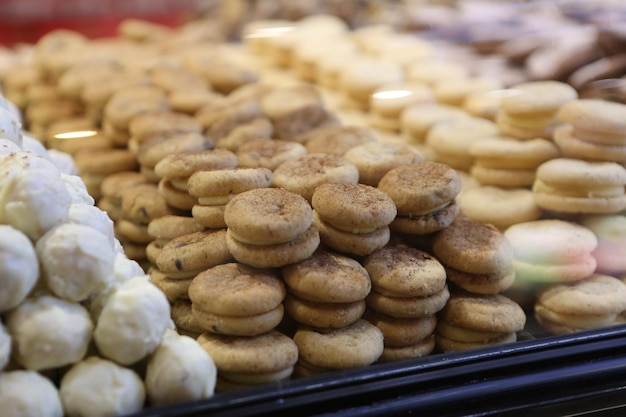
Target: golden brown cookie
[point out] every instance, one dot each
(268, 153)
(237, 299)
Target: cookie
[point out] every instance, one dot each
(183, 318)
(471, 320)
(389, 100)
(165, 228)
(163, 123)
(591, 303)
(531, 110)
(127, 103)
(507, 162)
(375, 159)
(94, 165)
(576, 186)
(572, 146)
(501, 207)
(327, 277)
(322, 315)
(552, 250)
(336, 140)
(267, 216)
(400, 271)
(213, 189)
(302, 175)
(185, 256)
(402, 332)
(174, 289)
(610, 230)
(142, 203)
(274, 255)
(597, 121)
(473, 247)
(451, 140)
(417, 119)
(263, 153)
(346, 209)
(237, 299)
(258, 128)
(430, 71)
(408, 307)
(361, 76)
(424, 194)
(250, 361)
(357, 345)
(175, 169)
(454, 92)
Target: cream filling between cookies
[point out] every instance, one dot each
(216, 200)
(180, 183)
(607, 191)
(425, 212)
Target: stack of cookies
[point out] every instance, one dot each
(478, 260)
(409, 288)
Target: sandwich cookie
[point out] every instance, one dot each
(357, 345)
(250, 361)
(151, 152)
(454, 92)
(336, 140)
(417, 119)
(610, 229)
(450, 141)
(237, 299)
(549, 251)
(263, 153)
(94, 165)
(183, 318)
(175, 289)
(270, 227)
(404, 338)
(406, 283)
(111, 187)
(167, 227)
(501, 207)
(389, 100)
(144, 127)
(510, 163)
(304, 174)
(470, 321)
(213, 189)
(425, 196)
(174, 170)
(327, 290)
(590, 303)
(361, 76)
(375, 159)
(574, 186)
(477, 256)
(353, 218)
(185, 256)
(531, 109)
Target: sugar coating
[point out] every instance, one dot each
(99, 387)
(77, 189)
(93, 217)
(132, 322)
(38, 348)
(34, 197)
(76, 260)
(19, 267)
(29, 394)
(179, 370)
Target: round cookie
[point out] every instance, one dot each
(237, 299)
(265, 358)
(375, 159)
(417, 119)
(552, 250)
(421, 348)
(361, 76)
(596, 121)
(400, 271)
(336, 140)
(408, 307)
(501, 207)
(472, 320)
(575, 186)
(402, 332)
(473, 247)
(267, 216)
(164, 228)
(453, 92)
(572, 146)
(268, 153)
(610, 229)
(173, 288)
(359, 344)
(323, 315)
(424, 194)
(182, 316)
(591, 303)
(276, 255)
(327, 277)
(187, 255)
(302, 175)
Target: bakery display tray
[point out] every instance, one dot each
(578, 374)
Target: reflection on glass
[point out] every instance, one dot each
(76, 134)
